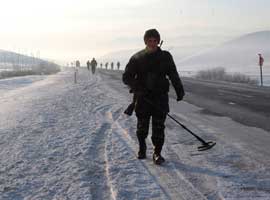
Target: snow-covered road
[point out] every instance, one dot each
(60, 140)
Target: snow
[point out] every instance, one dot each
(14, 83)
(60, 140)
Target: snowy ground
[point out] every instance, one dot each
(60, 140)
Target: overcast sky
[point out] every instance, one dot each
(65, 30)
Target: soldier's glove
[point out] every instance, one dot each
(130, 109)
(180, 95)
(179, 98)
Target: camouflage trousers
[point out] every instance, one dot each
(158, 135)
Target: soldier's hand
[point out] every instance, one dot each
(180, 95)
(179, 98)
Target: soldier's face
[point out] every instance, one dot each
(151, 44)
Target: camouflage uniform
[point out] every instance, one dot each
(93, 65)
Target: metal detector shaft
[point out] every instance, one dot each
(182, 125)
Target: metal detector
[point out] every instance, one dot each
(205, 145)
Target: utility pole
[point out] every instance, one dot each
(19, 60)
(261, 60)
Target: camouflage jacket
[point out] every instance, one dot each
(149, 73)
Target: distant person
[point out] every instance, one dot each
(101, 65)
(112, 65)
(93, 65)
(146, 74)
(118, 65)
(106, 65)
(88, 65)
(78, 63)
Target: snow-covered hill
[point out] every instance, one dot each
(15, 61)
(238, 55)
(60, 140)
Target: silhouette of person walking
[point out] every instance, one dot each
(93, 65)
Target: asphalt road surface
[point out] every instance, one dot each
(246, 104)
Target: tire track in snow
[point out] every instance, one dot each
(125, 171)
(95, 177)
(98, 107)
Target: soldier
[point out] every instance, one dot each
(93, 65)
(118, 65)
(112, 65)
(78, 63)
(88, 65)
(146, 74)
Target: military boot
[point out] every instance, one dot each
(158, 159)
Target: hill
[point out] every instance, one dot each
(11, 61)
(237, 55)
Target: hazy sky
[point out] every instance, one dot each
(80, 29)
